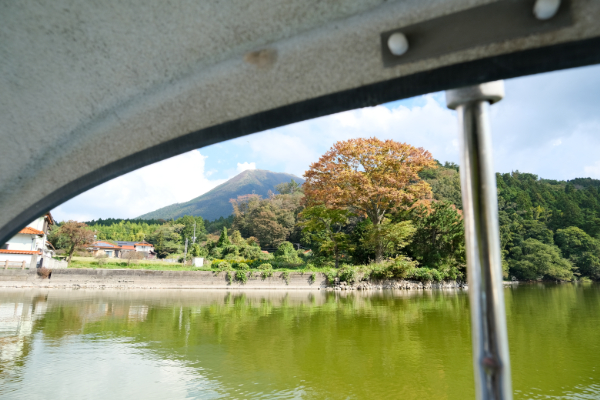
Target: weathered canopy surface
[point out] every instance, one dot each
(92, 90)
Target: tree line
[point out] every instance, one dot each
(391, 205)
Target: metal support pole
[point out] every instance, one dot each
(484, 266)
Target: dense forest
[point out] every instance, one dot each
(548, 229)
(543, 222)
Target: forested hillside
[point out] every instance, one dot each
(542, 221)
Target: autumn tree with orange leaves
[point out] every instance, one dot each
(370, 177)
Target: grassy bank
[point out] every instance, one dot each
(108, 263)
(392, 269)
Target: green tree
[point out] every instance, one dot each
(223, 239)
(286, 253)
(187, 231)
(271, 220)
(197, 251)
(237, 239)
(390, 237)
(326, 228)
(361, 252)
(288, 188)
(266, 227)
(166, 239)
(536, 260)
(581, 249)
(439, 240)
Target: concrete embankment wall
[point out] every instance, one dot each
(144, 279)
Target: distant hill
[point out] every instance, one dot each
(215, 203)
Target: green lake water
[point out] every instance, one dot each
(80, 344)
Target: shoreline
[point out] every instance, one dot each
(200, 280)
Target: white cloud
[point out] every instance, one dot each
(593, 171)
(241, 167)
(294, 147)
(175, 180)
(546, 125)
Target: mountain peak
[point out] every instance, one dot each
(215, 203)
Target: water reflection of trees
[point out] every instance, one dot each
(322, 337)
(348, 342)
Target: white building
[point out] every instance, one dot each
(29, 245)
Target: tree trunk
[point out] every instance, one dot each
(71, 251)
(376, 220)
(337, 256)
(378, 245)
(379, 250)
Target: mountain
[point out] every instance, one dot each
(215, 203)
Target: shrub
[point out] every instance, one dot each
(229, 277)
(286, 254)
(231, 249)
(241, 276)
(398, 268)
(265, 256)
(216, 252)
(348, 273)
(223, 266)
(422, 274)
(286, 277)
(437, 275)
(284, 249)
(250, 252)
(242, 266)
(330, 275)
(267, 270)
(231, 257)
(312, 278)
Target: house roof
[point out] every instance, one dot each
(50, 219)
(5, 251)
(31, 231)
(125, 243)
(128, 247)
(104, 245)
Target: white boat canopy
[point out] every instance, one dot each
(92, 90)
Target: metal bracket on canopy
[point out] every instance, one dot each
(490, 23)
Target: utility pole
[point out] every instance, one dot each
(185, 251)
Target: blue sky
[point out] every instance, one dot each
(548, 124)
